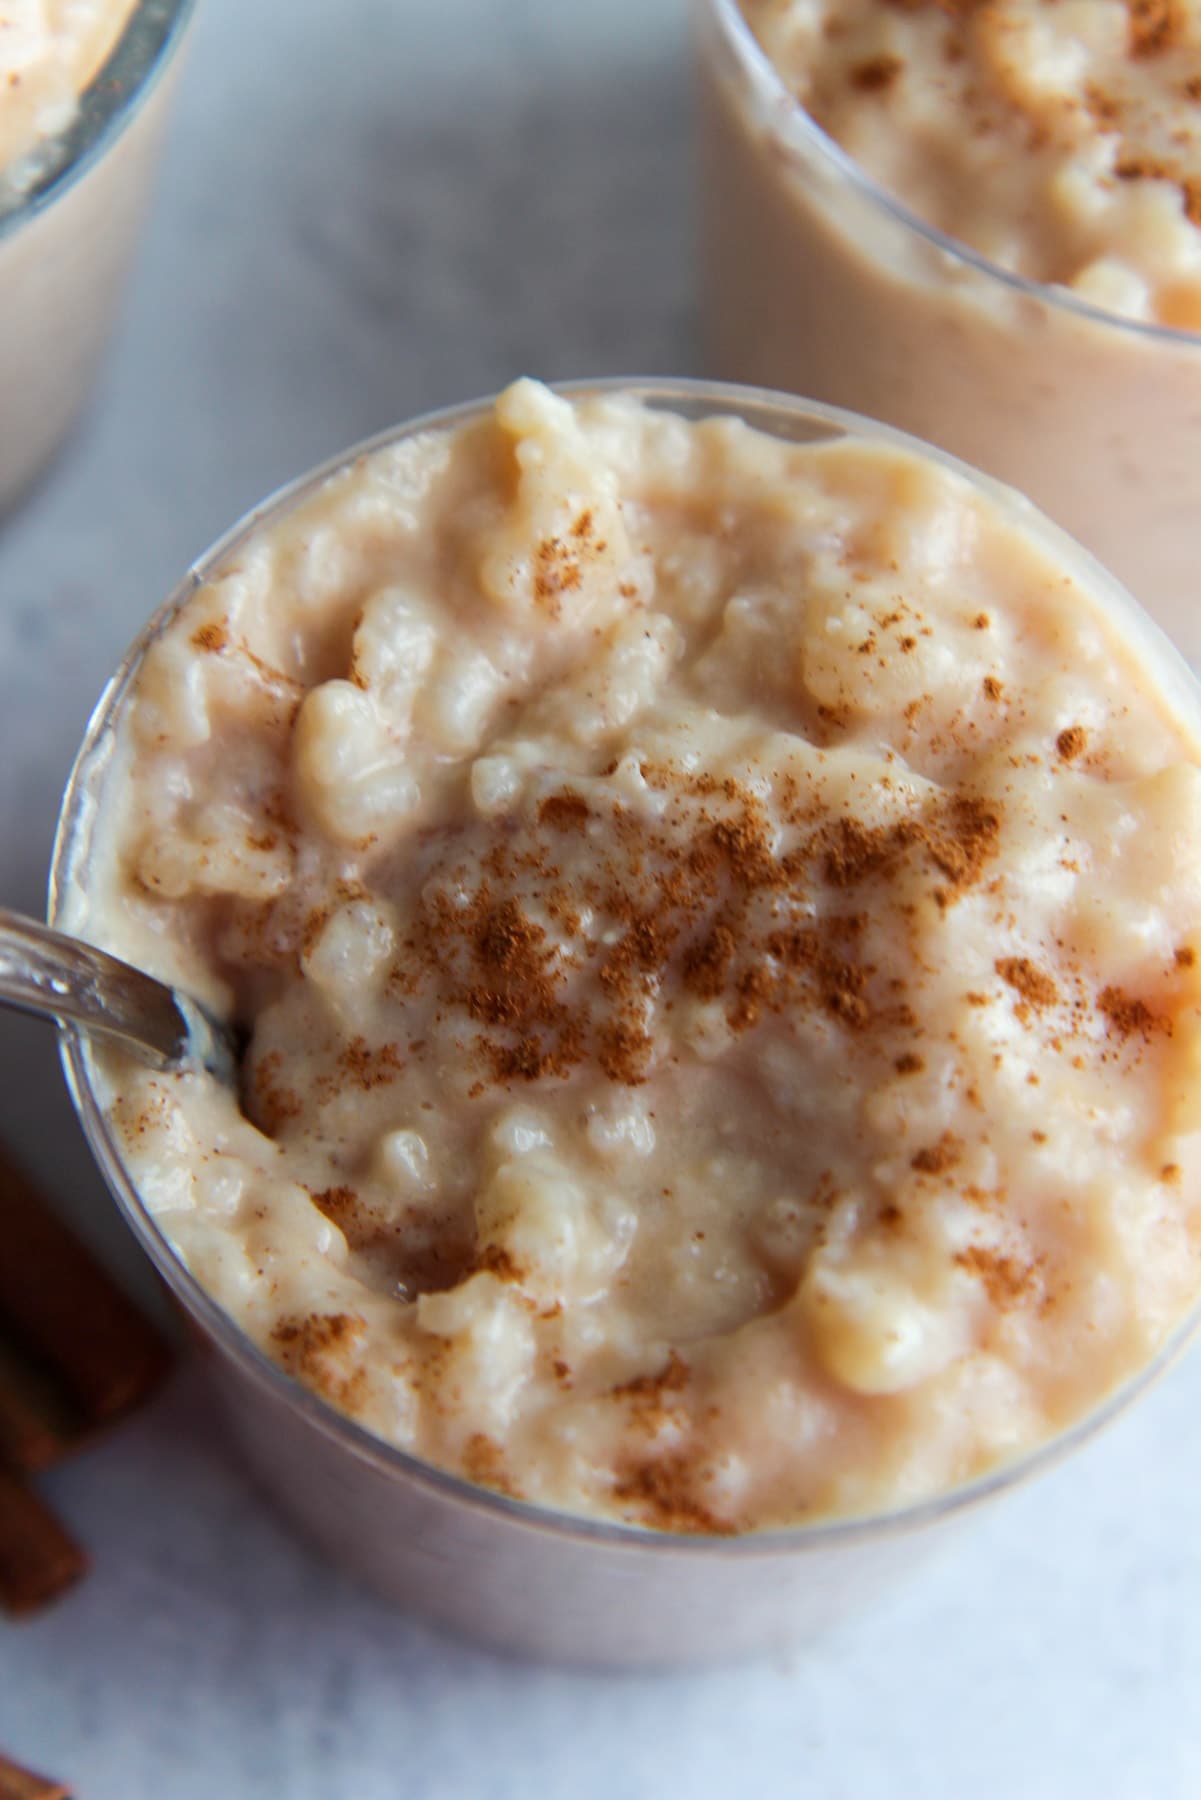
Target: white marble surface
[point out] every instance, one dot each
(368, 209)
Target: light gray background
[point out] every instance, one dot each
(369, 208)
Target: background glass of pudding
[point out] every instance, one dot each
(69, 215)
(510, 1573)
(815, 280)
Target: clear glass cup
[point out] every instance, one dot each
(512, 1574)
(66, 245)
(815, 280)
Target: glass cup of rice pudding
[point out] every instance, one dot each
(84, 93)
(712, 888)
(981, 224)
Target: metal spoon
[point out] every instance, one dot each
(62, 978)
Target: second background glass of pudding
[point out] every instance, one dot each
(814, 279)
(75, 176)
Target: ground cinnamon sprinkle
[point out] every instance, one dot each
(936, 1159)
(556, 572)
(876, 73)
(707, 964)
(1138, 167)
(839, 984)
(1032, 983)
(212, 637)
(965, 839)
(1004, 1278)
(558, 564)
(370, 1066)
(647, 1392)
(663, 1489)
(529, 1060)
(955, 8)
(855, 851)
(958, 838)
(624, 1052)
(498, 1261)
(679, 901)
(320, 1349)
(270, 1101)
(1070, 743)
(1155, 168)
(339, 1204)
(319, 1332)
(567, 811)
(1130, 1017)
(316, 920)
(1154, 26)
(484, 1461)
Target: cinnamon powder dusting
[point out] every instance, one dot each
(1131, 1017)
(498, 1261)
(876, 74)
(1032, 983)
(271, 1102)
(340, 1205)
(484, 1462)
(1154, 26)
(212, 637)
(1157, 168)
(695, 900)
(936, 1159)
(664, 1492)
(567, 811)
(368, 1066)
(1005, 1279)
(653, 1398)
(321, 1350)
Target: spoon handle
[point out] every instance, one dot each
(58, 977)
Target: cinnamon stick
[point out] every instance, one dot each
(22, 1784)
(60, 1305)
(37, 1557)
(37, 1423)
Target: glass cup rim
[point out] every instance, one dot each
(109, 102)
(798, 129)
(752, 405)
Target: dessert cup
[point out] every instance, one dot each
(815, 280)
(67, 243)
(512, 1574)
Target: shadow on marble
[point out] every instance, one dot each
(430, 252)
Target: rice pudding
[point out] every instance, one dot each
(49, 51)
(84, 91)
(1009, 264)
(717, 920)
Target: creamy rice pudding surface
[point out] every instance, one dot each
(49, 51)
(1058, 139)
(718, 920)
(1061, 138)
(70, 203)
